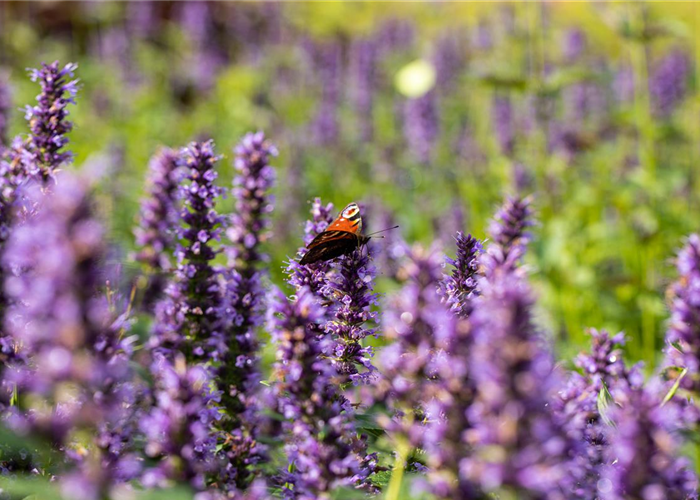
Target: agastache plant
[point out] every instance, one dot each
(412, 320)
(668, 83)
(156, 232)
(683, 334)
(421, 125)
(78, 377)
(644, 452)
(188, 319)
(603, 377)
(459, 288)
(48, 119)
(322, 445)
(350, 291)
(509, 233)
(248, 229)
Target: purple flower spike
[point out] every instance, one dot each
(363, 67)
(70, 336)
(421, 125)
(503, 123)
(416, 321)
(48, 120)
(322, 447)
(350, 290)
(178, 427)
(603, 369)
(188, 317)
(509, 234)
(644, 453)
(519, 444)
(683, 335)
(669, 82)
(157, 228)
(459, 289)
(244, 297)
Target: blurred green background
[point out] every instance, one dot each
(564, 101)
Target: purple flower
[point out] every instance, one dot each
(416, 321)
(70, 336)
(188, 319)
(644, 452)
(421, 125)
(460, 288)
(155, 234)
(363, 68)
(668, 83)
(350, 292)
(326, 62)
(238, 375)
(574, 44)
(449, 58)
(322, 445)
(603, 372)
(509, 234)
(503, 123)
(48, 120)
(519, 444)
(178, 429)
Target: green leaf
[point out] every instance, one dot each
(675, 387)
(30, 487)
(176, 493)
(604, 401)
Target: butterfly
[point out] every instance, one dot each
(340, 238)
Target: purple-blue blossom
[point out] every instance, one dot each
(421, 125)
(459, 288)
(48, 119)
(322, 445)
(668, 83)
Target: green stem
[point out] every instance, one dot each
(393, 492)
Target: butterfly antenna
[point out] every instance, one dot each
(381, 231)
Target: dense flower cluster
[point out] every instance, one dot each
(322, 447)
(155, 234)
(72, 341)
(459, 289)
(669, 82)
(420, 125)
(354, 302)
(189, 317)
(238, 374)
(48, 120)
(466, 392)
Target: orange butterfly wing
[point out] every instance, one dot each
(340, 238)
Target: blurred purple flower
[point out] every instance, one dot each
(363, 70)
(503, 123)
(575, 43)
(414, 321)
(449, 59)
(668, 83)
(421, 125)
(327, 67)
(519, 444)
(644, 452)
(48, 120)
(509, 234)
(157, 229)
(70, 336)
(178, 428)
